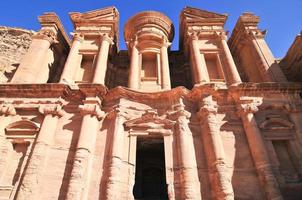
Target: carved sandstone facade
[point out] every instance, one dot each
(217, 119)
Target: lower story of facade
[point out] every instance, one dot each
(212, 142)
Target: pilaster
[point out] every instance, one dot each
(114, 176)
(258, 150)
(82, 166)
(214, 150)
(33, 175)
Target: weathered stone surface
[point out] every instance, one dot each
(189, 126)
(14, 43)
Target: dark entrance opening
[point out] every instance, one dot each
(150, 174)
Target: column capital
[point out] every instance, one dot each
(55, 110)
(206, 110)
(77, 37)
(222, 35)
(46, 34)
(178, 115)
(107, 38)
(165, 42)
(92, 109)
(7, 109)
(244, 109)
(254, 33)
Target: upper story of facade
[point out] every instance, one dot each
(149, 65)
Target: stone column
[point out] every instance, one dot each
(259, 152)
(115, 165)
(134, 72)
(81, 171)
(164, 62)
(214, 150)
(6, 111)
(73, 59)
(34, 60)
(33, 176)
(190, 186)
(232, 75)
(102, 58)
(198, 62)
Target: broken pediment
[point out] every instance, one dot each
(276, 122)
(101, 15)
(150, 119)
(194, 14)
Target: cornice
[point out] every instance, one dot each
(81, 92)
(51, 18)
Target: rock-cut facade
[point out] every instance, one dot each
(80, 119)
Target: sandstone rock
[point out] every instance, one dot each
(14, 43)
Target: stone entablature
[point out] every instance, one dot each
(66, 132)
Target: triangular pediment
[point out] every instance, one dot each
(109, 13)
(197, 14)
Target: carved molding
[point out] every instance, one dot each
(54, 110)
(91, 109)
(7, 109)
(21, 131)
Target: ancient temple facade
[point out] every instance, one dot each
(220, 118)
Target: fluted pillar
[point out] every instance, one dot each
(259, 152)
(102, 58)
(33, 176)
(115, 173)
(165, 70)
(134, 72)
(214, 150)
(190, 185)
(200, 71)
(6, 111)
(73, 59)
(232, 72)
(33, 61)
(82, 165)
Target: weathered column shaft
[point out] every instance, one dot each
(34, 60)
(134, 76)
(79, 179)
(165, 70)
(72, 60)
(5, 117)
(214, 150)
(33, 177)
(260, 156)
(114, 174)
(232, 75)
(189, 175)
(102, 58)
(198, 63)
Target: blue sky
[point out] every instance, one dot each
(282, 18)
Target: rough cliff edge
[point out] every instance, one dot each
(14, 43)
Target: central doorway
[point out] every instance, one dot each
(150, 173)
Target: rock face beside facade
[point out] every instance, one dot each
(14, 43)
(216, 119)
